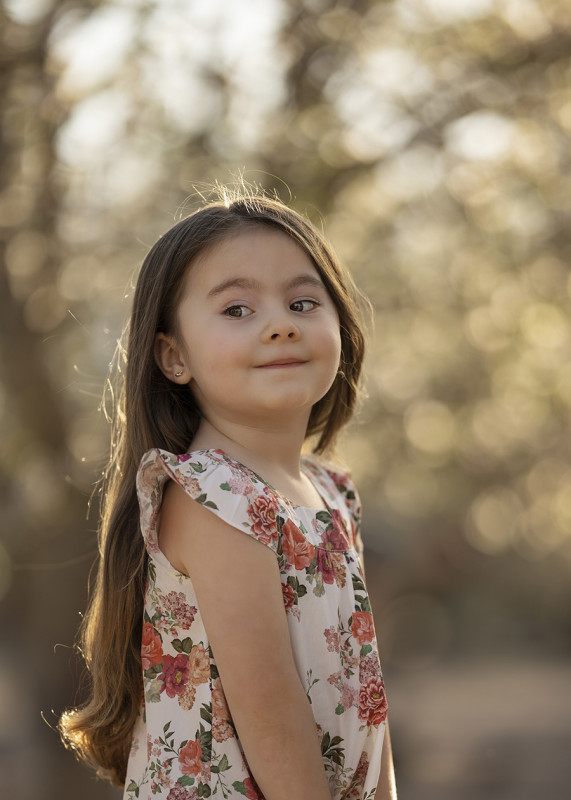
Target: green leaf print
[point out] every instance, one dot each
(153, 691)
(239, 786)
(319, 588)
(311, 681)
(339, 710)
(299, 589)
(204, 790)
(364, 604)
(331, 751)
(366, 649)
(210, 504)
(185, 780)
(324, 516)
(196, 466)
(225, 487)
(358, 585)
(205, 739)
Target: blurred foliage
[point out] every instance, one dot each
(431, 140)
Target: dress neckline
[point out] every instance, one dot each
(317, 484)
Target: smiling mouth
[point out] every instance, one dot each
(283, 363)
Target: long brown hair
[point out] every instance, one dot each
(152, 411)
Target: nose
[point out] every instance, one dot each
(281, 327)
(293, 333)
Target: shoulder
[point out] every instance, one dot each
(202, 474)
(336, 474)
(214, 481)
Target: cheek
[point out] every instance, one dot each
(216, 353)
(331, 342)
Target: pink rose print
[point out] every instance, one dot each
(362, 627)
(262, 513)
(191, 486)
(179, 792)
(241, 484)
(373, 702)
(369, 667)
(189, 758)
(219, 705)
(180, 609)
(332, 639)
(151, 647)
(348, 696)
(298, 551)
(174, 675)
(198, 665)
(358, 779)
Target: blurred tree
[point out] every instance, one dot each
(432, 139)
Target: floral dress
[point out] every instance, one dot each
(184, 743)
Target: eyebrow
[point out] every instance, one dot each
(248, 283)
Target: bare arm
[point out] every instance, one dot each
(238, 586)
(386, 787)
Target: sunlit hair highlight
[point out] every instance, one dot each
(152, 411)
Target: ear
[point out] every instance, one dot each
(170, 360)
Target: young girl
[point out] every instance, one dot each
(229, 638)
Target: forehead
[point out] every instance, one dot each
(256, 252)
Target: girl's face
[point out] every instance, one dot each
(259, 335)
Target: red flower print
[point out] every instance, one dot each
(151, 646)
(335, 537)
(362, 627)
(339, 480)
(252, 790)
(174, 675)
(288, 595)
(326, 565)
(298, 551)
(331, 565)
(262, 512)
(373, 702)
(339, 526)
(189, 758)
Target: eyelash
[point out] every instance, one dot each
(228, 309)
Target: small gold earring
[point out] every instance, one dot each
(178, 374)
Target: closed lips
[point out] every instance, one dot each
(286, 362)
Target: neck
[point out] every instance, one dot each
(266, 451)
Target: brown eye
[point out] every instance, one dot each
(304, 305)
(237, 312)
